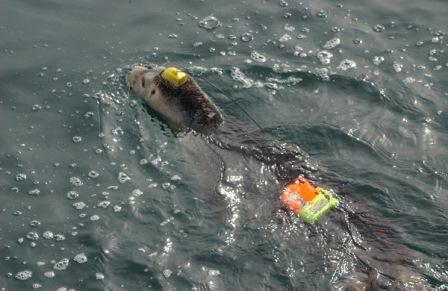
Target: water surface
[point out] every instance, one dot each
(96, 193)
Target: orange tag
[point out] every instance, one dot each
(298, 193)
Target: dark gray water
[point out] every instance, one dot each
(96, 193)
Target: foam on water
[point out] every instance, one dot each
(80, 258)
(324, 57)
(347, 64)
(24, 275)
(257, 57)
(239, 76)
(61, 265)
(332, 43)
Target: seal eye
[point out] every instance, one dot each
(143, 82)
(153, 92)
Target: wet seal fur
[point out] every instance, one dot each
(186, 106)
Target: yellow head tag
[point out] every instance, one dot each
(175, 76)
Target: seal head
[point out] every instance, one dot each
(176, 96)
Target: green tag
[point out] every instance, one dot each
(316, 208)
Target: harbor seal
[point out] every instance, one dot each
(185, 106)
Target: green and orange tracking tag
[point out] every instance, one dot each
(175, 76)
(309, 202)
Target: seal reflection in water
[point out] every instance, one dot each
(184, 105)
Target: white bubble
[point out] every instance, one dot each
(167, 273)
(324, 57)
(20, 177)
(321, 14)
(72, 195)
(347, 64)
(49, 274)
(378, 60)
(435, 39)
(409, 80)
(117, 208)
(80, 258)
(61, 265)
(198, 44)
(117, 131)
(289, 27)
(323, 73)
(59, 237)
(99, 276)
(32, 235)
(397, 67)
(34, 192)
(36, 107)
(239, 76)
(168, 186)
(24, 275)
(103, 204)
(79, 205)
(75, 181)
(257, 57)
(88, 114)
(94, 217)
(94, 174)
(246, 37)
(332, 43)
(213, 272)
(76, 139)
(210, 22)
(35, 223)
(284, 38)
(137, 192)
(357, 41)
(379, 28)
(48, 235)
(123, 177)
